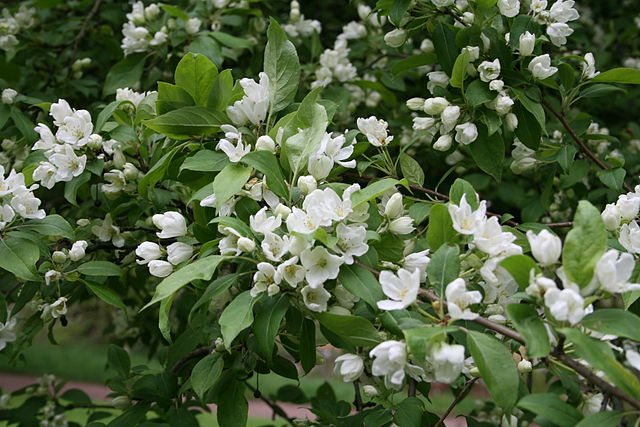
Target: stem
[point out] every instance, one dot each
(201, 351)
(83, 30)
(459, 397)
(412, 388)
(585, 149)
(358, 398)
(277, 410)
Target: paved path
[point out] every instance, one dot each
(98, 392)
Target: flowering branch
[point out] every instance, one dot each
(463, 393)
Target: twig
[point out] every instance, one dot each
(8, 293)
(358, 398)
(201, 351)
(84, 28)
(456, 17)
(412, 388)
(273, 405)
(459, 397)
(560, 224)
(585, 149)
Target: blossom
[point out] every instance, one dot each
(489, 70)
(148, 251)
(491, 240)
(301, 222)
(449, 117)
(589, 66)
(263, 224)
(47, 139)
(291, 272)
(558, 33)
(179, 252)
(565, 305)
(254, 105)
(52, 276)
(395, 38)
(55, 310)
(160, 268)
(307, 183)
(526, 43)
(541, 68)
(545, 246)
(349, 367)
(459, 300)
(447, 361)
(443, 143)
(320, 265)
(466, 133)
(263, 278)
(391, 362)
(26, 204)
(375, 130)
(77, 251)
(563, 11)
(171, 224)
(266, 143)
(234, 243)
(8, 96)
(8, 331)
(539, 285)
(193, 25)
(236, 152)
(611, 217)
(75, 129)
(351, 241)
(509, 8)
(630, 237)
(45, 173)
(466, 221)
(402, 289)
(67, 164)
(315, 298)
(417, 261)
(274, 246)
(614, 270)
(435, 106)
(402, 225)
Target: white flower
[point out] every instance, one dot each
(628, 206)
(45, 173)
(148, 251)
(7, 215)
(449, 117)
(503, 104)
(375, 130)
(611, 217)
(633, 358)
(402, 289)
(77, 251)
(630, 237)
(435, 106)
(614, 270)
(442, 3)
(55, 310)
(459, 300)
(437, 79)
(563, 11)
(52, 276)
(67, 164)
(369, 391)
(236, 152)
(266, 143)
(129, 95)
(47, 139)
(171, 224)
(417, 261)
(320, 265)
(466, 133)
(254, 105)
(541, 68)
(349, 366)
(116, 183)
(489, 70)
(8, 332)
(334, 148)
(447, 361)
(263, 224)
(539, 285)
(151, 12)
(59, 111)
(558, 33)
(274, 246)
(307, 183)
(589, 67)
(565, 305)
(193, 25)
(490, 239)
(395, 38)
(415, 104)
(511, 121)
(443, 143)
(526, 43)
(466, 221)
(427, 46)
(496, 85)
(391, 362)
(107, 231)
(315, 298)
(75, 129)
(538, 6)
(8, 95)
(179, 252)
(159, 268)
(263, 278)
(351, 241)
(299, 221)
(291, 272)
(26, 204)
(546, 247)
(402, 225)
(394, 206)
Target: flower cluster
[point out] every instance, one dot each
(140, 32)
(11, 25)
(298, 25)
(17, 198)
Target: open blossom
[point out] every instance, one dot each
(264, 278)
(351, 241)
(489, 70)
(466, 221)
(235, 152)
(291, 272)
(55, 310)
(490, 239)
(263, 224)
(77, 251)
(8, 331)
(417, 261)
(565, 305)
(459, 300)
(375, 130)
(254, 105)
(320, 265)
(171, 224)
(447, 361)
(526, 43)
(545, 246)
(108, 232)
(589, 66)
(275, 246)
(539, 285)
(509, 8)
(315, 298)
(466, 133)
(401, 289)
(541, 68)
(630, 237)
(614, 270)
(349, 367)
(558, 33)
(391, 362)
(234, 243)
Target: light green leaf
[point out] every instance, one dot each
(51, 225)
(361, 283)
(267, 163)
(519, 267)
(269, 315)
(195, 74)
(233, 42)
(19, 256)
(229, 182)
(551, 407)
(282, 66)
(156, 173)
(411, 169)
(612, 178)
(355, 330)
(299, 147)
(419, 340)
(533, 107)
(409, 413)
(460, 187)
(99, 268)
(619, 75)
(584, 245)
(497, 368)
(527, 321)
(615, 322)
(187, 122)
(205, 161)
(440, 229)
(374, 190)
(444, 267)
(459, 72)
(206, 373)
(105, 115)
(201, 269)
(236, 317)
(602, 419)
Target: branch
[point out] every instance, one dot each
(560, 224)
(459, 397)
(358, 398)
(85, 27)
(585, 149)
(201, 351)
(273, 405)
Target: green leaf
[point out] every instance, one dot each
(51, 225)
(600, 90)
(601, 357)
(460, 187)
(105, 115)
(222, 93)
(172, 97)
(584, 245)
(411, 169)
(440, 229)
(299, 147)
(19, 256)
(118, 359)
(106, 294)
(282, 66)
(24, 125)
(615, 322)
(229, 182)
(444, 40)
(565, 157)
(267, 163)
(488, 152)
(551, 407)
(419, 340)
(231, 41)
(497, 368)
(528, 130)
(486, 4)
(355, 330)
(520, 24)
(519, 267)
(374, 190)
(413, 62)
(174, 11)
(459, 72)
(214, 289)
(233, 408)
(99, 268)
(527, 321)
(534, 107)
(409, 413)
(477, 93)
(71, 187)
(398, 10)
(235, 223)
(195, 74)
(205, 161)
(236, 317)
(361, 283)
(619, 75)
(308, 345)
(156, 173)
(125, 73)
(269, 315)
(444, 267)
(602, 419)
(187, 122)
(206, 373)
(201, 269)
(612, 178)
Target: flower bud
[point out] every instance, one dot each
(423, 123)
(341, 311)
(545, 247)
(151, 12)
(83, 222)
(307, 184)
(273, 289)
(527, 43)
(435, 106)
(130, 171)
(219, 344)
(474, 372)
(611, 217)
(466, 133)
(450, 115)
(193, 25)
(395, 38)
(121, 402)
(511, 121)
(524, 366)
(402, 225)
(119, 159)
(522, 165)
(77, 251)
(394, 207)
(369, 391)
(160, 268)
(58, 257)
(282, 210)
(265, 142)
(148, 251)
(415, 104)
(95, 141)
(179, 252)
(443, 143)
(246, 245)
(8, 96)
(496, 85)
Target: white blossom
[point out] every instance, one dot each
(171, 224)
(160, 268)
(315, 298)
(465, 220)
(375, 130)
(459, 300)
(391, 362)
(254, 105)
(614, 270)
(489, 70)
(179, 252)
(565, 305)
(541, 68)
(546, 247)
(447, 361)
(320, 265)
(526, 43)
(401, 289)
(349, 367)
(148, 251)
(77, 251)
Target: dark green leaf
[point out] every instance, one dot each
(187, 122)
(267, 163)
(527, 321)
(488, 152)
(444, 266)
(99, 268)
(355, 330)
(269, 315)
(444, 40)
(236, 317)
(206, 373)
(282, 66)
(551, 407)
(615, 322)
(361, 283)
(619, 75)
(411, 170)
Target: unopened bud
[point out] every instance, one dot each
(121, 402)
(58, 257)
(246, 245)
(369, 391)
(525, 366)
(415, 104)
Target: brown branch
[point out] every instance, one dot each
(273, 405)
(358, 398)
(463, 393)
(583, 146)
(412, 388)
(560, 224)
(200, 351)
(85, 27)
